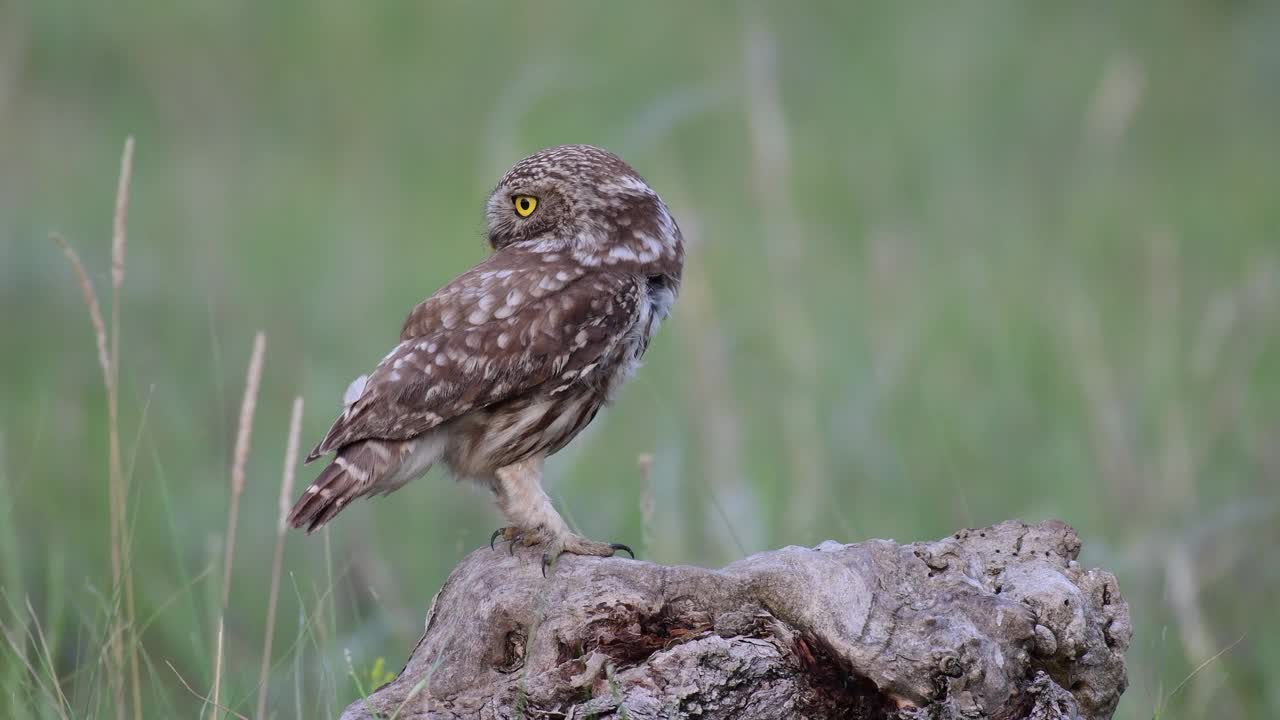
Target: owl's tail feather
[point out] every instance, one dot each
(352, 473)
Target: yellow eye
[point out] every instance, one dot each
(525, 204)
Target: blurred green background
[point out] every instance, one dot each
(951, 263)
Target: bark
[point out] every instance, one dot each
(1000, 622)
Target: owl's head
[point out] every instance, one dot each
(585, 201)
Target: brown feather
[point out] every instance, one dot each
(563, 324)
(343, 480)
(312, 505)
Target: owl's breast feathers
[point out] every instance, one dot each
(517, 326)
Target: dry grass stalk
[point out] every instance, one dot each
(1115, 102)
(62, 705)
(118, 224)
(244, 431)
(217, 669)
(90, 301)
(121, 215)
(205, 698)
(121, 579)
(115, 669)
(286, 492)
(648, 502)
(19, 651)
(328, 564)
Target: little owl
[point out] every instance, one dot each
(512, 359)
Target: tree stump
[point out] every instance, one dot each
(1000, 622)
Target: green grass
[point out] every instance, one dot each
(1023, 260)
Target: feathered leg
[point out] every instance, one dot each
(534, 520)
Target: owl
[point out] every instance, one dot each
(507, 363)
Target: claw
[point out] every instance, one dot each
(510, 534)
(580, 546)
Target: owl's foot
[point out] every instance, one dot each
(578, 545)
(557, 545)
(518, 536)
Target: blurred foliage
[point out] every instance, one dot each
(952, 263)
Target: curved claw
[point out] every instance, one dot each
(547, 562)
(620, 546)
(494, 537)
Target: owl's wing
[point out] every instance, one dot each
(498, 331)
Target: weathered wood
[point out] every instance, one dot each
(1000, 622)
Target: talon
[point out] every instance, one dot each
(511, 534)
(547, 561)
(620, 546)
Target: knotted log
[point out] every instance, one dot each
(1000, 622)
